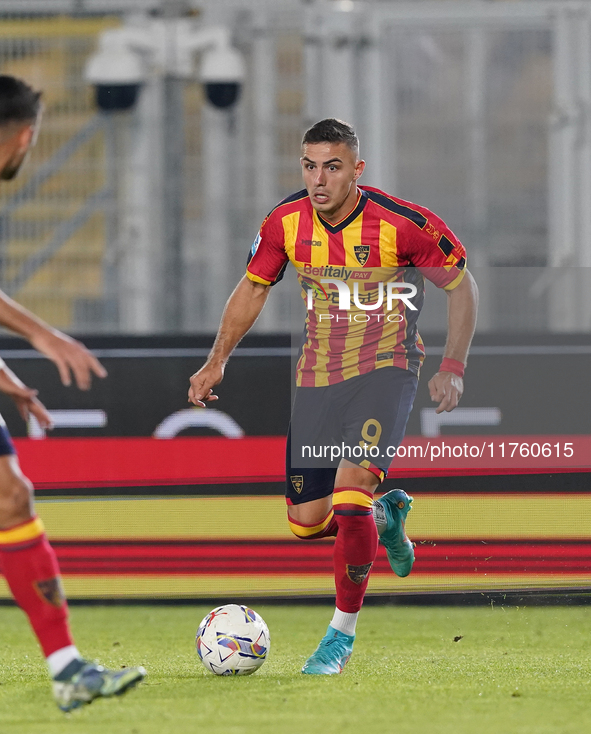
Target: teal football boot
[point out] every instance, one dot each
(90, 681)
(331, 655)
(399, 548)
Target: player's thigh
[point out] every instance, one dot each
(312, 512)
(378, 407)
(309, 477)
(350, 475)
(313, 428)
(308, 493)
(308, 490)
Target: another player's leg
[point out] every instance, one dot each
(83, 681)
(31, 571)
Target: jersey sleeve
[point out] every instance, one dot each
(267, 258)
(438, 253)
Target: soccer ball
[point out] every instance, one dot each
(232, 640)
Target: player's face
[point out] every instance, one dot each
(13, 165)
(16, 149)
(330, 171)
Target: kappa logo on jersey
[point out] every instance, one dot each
(51, 590)
(452, 254)
(361, 253)
(297, 483)
(358, 574)
(312, 289)
(430, 229)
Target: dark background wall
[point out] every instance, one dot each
(539, 382)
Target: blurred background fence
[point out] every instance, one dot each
(132, 225)
(139, 220)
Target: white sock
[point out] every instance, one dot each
(379, 515)
(59, 659)
(344, 621)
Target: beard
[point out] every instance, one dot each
(12, 167)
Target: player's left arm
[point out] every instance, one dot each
(70, 356)
(446, 387)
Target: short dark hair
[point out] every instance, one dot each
(332, 130)
(18, 101)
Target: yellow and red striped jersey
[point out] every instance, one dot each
(382, 234)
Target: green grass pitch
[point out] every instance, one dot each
(514, 670)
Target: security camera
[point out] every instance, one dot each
(222, 73)
(117, 74)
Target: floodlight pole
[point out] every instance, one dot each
(140, 271)
(477, 189)
(340, 37)
(215, 275)
(567, 179)
(346, 55)
(378, 134)
(173, 190)
(331, 39)
(583, 157)
(264, 91)
(152, 273)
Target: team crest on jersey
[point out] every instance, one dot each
(51, 590)
(358, 574)
(297, 483)
(361, 253)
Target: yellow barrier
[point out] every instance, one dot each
(453, 517)
(57, 27)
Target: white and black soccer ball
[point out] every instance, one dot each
(233, 640)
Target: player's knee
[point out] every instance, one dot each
(317, 528)
(349, 475)
(16, 500)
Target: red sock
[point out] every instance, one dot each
(30, 569)
(324, 529)
(356, 546)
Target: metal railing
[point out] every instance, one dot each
(479, 111)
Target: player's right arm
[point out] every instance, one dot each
(241, 311)
(266, 263)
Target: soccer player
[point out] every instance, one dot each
(27, 560)
(357, 372)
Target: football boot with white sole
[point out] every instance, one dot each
(331, 655)
(399, 548)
